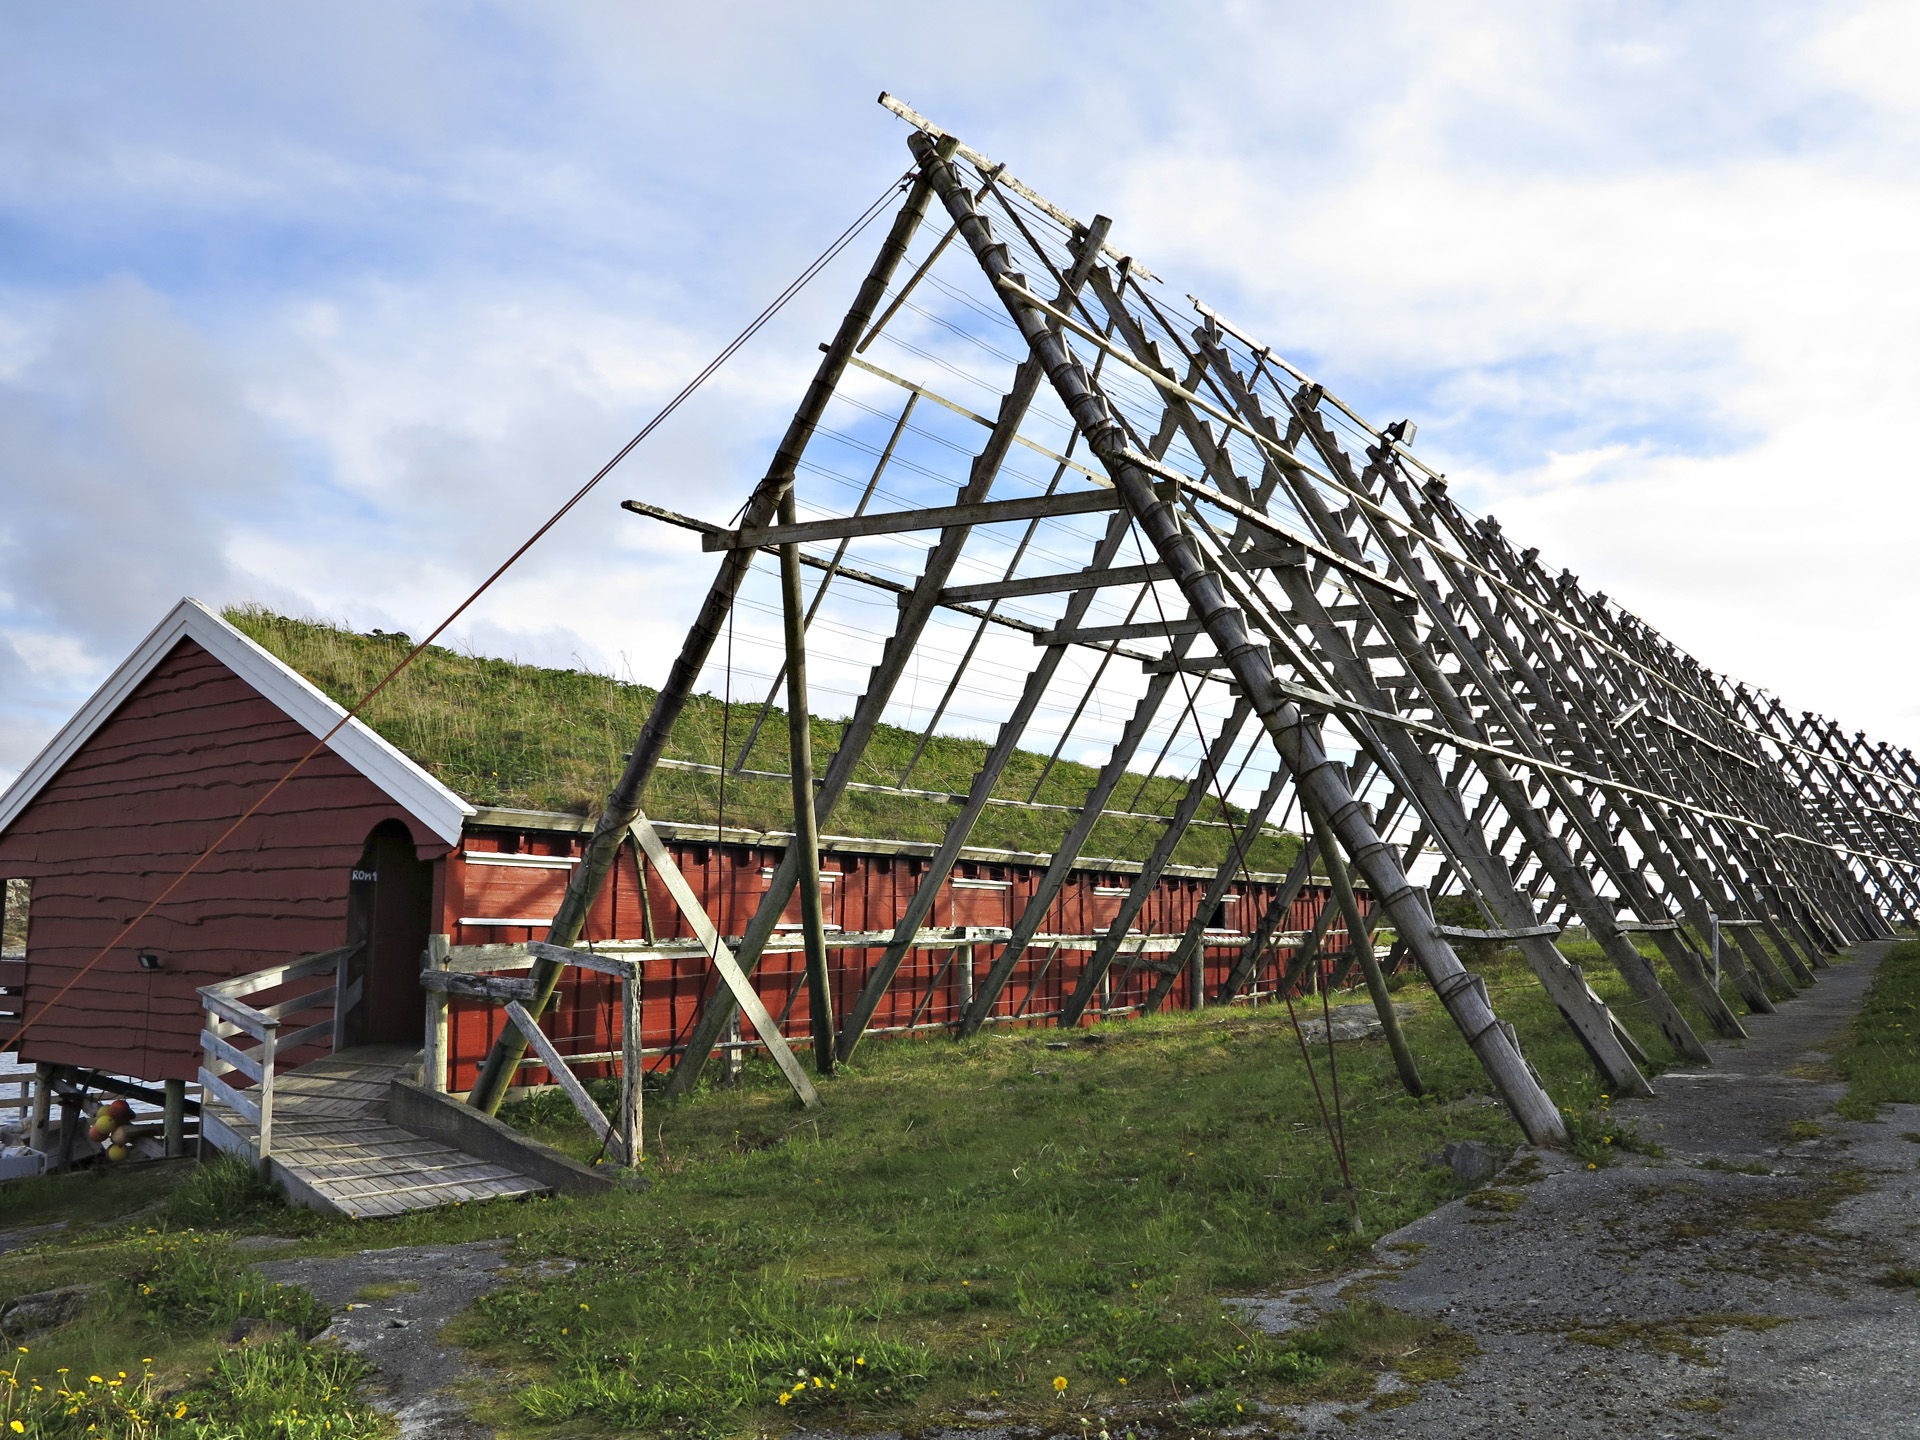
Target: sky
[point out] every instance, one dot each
(326, 307)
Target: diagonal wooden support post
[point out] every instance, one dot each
(1134, 477)
(623, 803)
(731, 975)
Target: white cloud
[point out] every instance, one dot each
(327, 306)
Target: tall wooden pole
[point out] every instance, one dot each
(1253, 671)
(623, 804)
(806, 826)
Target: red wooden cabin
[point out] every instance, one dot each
(362, 843)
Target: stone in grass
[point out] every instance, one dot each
(254, 1330)
(34, 1315)
(1473, 1162)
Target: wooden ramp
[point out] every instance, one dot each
(335, 1151)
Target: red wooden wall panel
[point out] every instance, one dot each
(183, 757)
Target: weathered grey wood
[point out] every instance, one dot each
(1455, 932)
(235, 1012)
(1106, 577)
(624, 802)
(174, 1118)
(435, 1055)
(1211, 598)
(895, 522)
(1106, 634)
(563, 1075)
(477, 987)
(273, 975)
(633, 1128)
(619, 967)
(826, 581)
(216, 1091)
(231, 1056)
(916, 612)
(722, 958)
(806, 826)
(1360, 944)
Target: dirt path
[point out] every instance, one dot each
(1727, 1288)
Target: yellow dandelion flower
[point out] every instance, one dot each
(96, 1379)
(860, 1360)
(23, 1350)
(16, 1427)
(784, 1397)
(584, 1305)
(1123, 1379)
(180, 1411)
(1059, 1383)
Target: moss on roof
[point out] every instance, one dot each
(501, 733)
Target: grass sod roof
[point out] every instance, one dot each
(498, 732)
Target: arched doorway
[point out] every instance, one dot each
(390, 909)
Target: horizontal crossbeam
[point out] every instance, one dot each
(1528, 932)
(1105, 578)
(892, 522)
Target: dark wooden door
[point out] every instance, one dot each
(390, 906)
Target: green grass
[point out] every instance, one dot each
(962, 1225)
(1880, 1059)
(144, 1357)
(502, 733)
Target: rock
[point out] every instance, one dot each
(1473, 1162)
(1350, 1022)
(253, 1330)
(32, 1315)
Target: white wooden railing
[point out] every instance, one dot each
(229, 1018)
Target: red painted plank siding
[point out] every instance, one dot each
(177, 763)
(863, 892)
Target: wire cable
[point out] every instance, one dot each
(705, 373)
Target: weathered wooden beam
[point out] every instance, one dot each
(1107, 634)
(624, 801)
(476, 987)
(896, 522)
(1210, 597)
(732, 976)
(564, 1077)
(806, 824)
(1455, 932)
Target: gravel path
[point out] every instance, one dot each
(1727, 1288)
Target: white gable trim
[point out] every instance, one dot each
(410, 787)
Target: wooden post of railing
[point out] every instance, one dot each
(631, 1116)
(269, 1040)
(42, 1106)
(434, 1059)
(174, 1117)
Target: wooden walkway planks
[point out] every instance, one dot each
(334, 1148)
